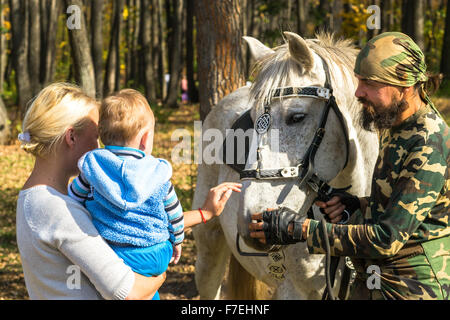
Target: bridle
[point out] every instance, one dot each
(304, 171)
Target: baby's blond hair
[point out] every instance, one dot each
(55, 109)
(122, 116)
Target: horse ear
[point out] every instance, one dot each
(257, 48)
(299, 50)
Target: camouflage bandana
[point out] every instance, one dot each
(392, 58)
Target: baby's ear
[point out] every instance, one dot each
(143, 142)
(146, 143)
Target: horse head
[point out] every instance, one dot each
(294, 117)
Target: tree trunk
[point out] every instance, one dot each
(129, 27)
(190, 56)
(34, 49)
(218, 50)
(145, 39)
(19, 31)
(175, 55)
(445, 60)
(324, 9)
(412, 20)
(336, 17)
(3, 56)
(301, 17)
(288, 13)
(156, 50)
(81, 53)
(133, 77)
(97, 43)
(163, 49)
(50, 11)
(112, 73)
(387, 15)
(419, 23)
(250, 31)
(4, 123)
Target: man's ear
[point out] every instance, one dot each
(407, 91)
(69, 137)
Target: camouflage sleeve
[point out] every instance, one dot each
(410, 200)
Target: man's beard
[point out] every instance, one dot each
(378, 117)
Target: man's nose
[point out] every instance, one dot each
(359, 93)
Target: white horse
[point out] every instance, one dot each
(291, 272)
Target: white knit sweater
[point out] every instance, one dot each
(62, 254)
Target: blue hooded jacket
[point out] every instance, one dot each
(127, 195)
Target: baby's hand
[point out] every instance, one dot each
(176, 254)
(218, 196)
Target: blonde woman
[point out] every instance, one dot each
(62, 254)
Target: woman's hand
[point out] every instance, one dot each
(144, 288)
(218, 197)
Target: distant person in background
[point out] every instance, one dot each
(184, 90)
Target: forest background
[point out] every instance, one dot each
(157, 47)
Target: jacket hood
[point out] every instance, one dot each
(126, 182)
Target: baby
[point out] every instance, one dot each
(127, 191)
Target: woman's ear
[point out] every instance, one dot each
(69, 137)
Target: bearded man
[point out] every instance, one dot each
(402, 228)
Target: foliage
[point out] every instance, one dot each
(354, 20)
(269, 18)
(434, 26)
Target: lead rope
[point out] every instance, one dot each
(327, 261)
(322, 219)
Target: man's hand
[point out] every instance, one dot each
(278, 226)
(332, 208)
(335, 207)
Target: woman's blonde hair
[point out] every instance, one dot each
(122, 116)
(55, 109)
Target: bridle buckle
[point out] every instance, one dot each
(324, 93)
(289, 172)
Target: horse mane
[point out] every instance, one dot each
(278, 69)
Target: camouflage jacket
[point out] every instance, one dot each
(404, 231)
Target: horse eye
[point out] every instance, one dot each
(295, 118)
